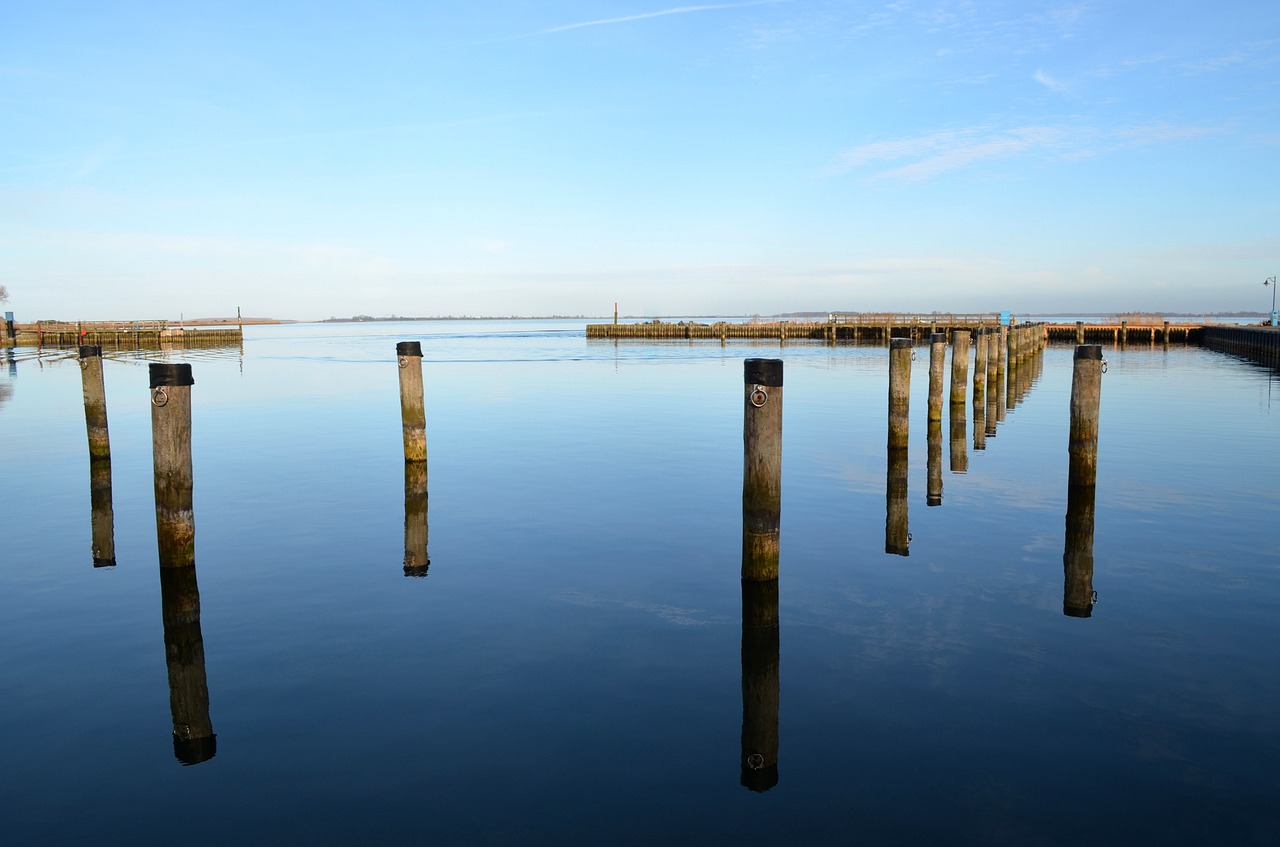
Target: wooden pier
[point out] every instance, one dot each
(127, 335)
(881, 327)
(838, 327)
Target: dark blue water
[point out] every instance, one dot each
(571, 669)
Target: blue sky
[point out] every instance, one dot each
(315, 159)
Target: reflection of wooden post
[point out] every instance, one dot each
(102, 514)
(760, 684)
(193, 737)
(762, 467)
(959, 366)
(1086, 398)
(95, 401)
(413, 416)
(897, 538)
(959, 445)
(937, 369)
(979, 424)
(1077, 553)
(899, 392)
(171, 453)
(933, 495)
(415, 519)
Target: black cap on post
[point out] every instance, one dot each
(409, 348)
(166, 374)
(90, 350)
(899, 343)
(1089, 351)
(762, 372)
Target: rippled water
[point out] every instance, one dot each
(572, 669)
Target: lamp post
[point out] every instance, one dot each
(1271, 281)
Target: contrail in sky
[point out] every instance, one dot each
(678, 10)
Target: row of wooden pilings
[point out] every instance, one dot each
(194, 740)
(1123, 333)
(762, 498)
(170, 387)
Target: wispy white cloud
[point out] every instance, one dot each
(949, 150)
(677, 10)
(932, 154)
(1054, 85)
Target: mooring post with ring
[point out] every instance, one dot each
(762, 467)
(171, 456)
(413, 416)
(95, 402)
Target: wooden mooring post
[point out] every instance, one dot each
(979, 367)
(413, 416)
(900, 354)
(762, 468)
(95, 401)
(959, 366)
(1086, 398)
(171, 454)
(760, 684)
(937, 371)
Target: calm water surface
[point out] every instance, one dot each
(572, 668)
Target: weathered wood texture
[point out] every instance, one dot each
(95, 401)
(171, 455)
(413, 415)
(762, 467)
(1086, 399)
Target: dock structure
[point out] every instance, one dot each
(882, 327)
(861, 326)
(1124, 332)
(1260, 344)
(126, 335)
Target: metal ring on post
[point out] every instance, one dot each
(159, 398)
(759, 396)
(404, 361)
(755, 761)
(1104, 365)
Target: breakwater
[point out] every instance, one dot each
(1261, 344)
(125, 335)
